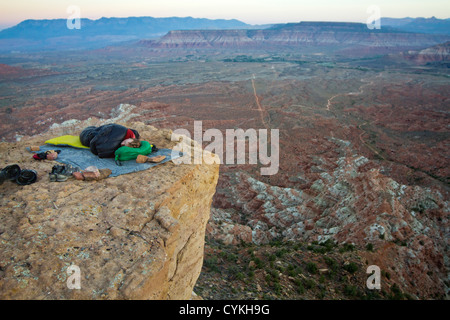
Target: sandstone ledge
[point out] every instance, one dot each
(136, 236)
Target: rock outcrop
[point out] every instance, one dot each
(135, 236)
(435, 54)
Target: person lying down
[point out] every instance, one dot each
(106, 141)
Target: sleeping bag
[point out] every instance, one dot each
(106, 139)
(127, 153)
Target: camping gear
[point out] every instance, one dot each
(83, 158)
(125, 153)
(49, 154)
(67, 140)
(104, 140)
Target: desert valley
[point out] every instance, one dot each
(363, 120)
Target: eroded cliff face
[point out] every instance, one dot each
(438, 53)
(135, 236)
(302, 34)
(355, 203)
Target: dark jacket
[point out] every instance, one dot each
(104, 140)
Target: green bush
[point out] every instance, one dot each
(331, 263)
(277, 288)
(258, 262)
(211, 263)
(351, 267)
(311, 267)
(397, 294)
(240, 276)
(350, 291)
(309, 283)
(299, 285)
(280, 253)
(347, 247)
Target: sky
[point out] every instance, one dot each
(249, 11)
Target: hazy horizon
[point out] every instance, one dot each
(254, 12)
(3, 27)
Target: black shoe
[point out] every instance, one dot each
(57, 174)
(69, 170)
(26, 177)
(10, 172)
(52, 175)
(58, 169)
(61, 177)
(65, 172)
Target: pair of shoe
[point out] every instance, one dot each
(57, 174)
(62, 173)
(21, 177)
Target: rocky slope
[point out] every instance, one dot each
(11, 73)
(438, 53)
(136, 236)
(354, 203)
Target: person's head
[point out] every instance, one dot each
(132, 143)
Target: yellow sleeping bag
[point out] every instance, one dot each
(67, 140)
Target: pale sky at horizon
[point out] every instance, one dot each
(249, 11)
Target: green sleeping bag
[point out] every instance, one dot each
(127, 153)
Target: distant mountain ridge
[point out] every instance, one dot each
(418, 25)
(54, 35)
(327, 26)
(131, 26)
(31, 35)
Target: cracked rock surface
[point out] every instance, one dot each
(135, 236)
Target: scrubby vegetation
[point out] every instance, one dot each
(290, 270)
